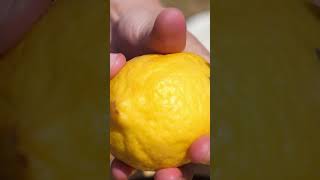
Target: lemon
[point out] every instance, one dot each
(159, 105)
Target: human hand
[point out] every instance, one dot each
(117, 61)
(198, 153)
(143, 27)
(16, 18)
(136, 31)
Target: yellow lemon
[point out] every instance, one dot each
(159, 105)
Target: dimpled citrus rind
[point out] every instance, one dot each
(159, 105)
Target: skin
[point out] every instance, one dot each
(149, 37)
(137, 27)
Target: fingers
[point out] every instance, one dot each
(117, 61)
(168, 35)
(184, 173)
(199, 151)
(169, 174)
(120, 171)
(143, 31)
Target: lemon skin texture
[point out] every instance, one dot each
(159, 105)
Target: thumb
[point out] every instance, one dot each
(117, 61)
(168, 34)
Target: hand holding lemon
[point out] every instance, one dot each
(150, 32)
(160, 104)
(153, 33)
(153, 29)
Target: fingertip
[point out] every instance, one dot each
(168, 174)
(171, 17)
(117, 61)
(120, 171)
(199, 151)
(169, 32)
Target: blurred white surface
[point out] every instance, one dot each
(199, 25)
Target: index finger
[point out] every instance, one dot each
(117, 61)
(120, 171)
